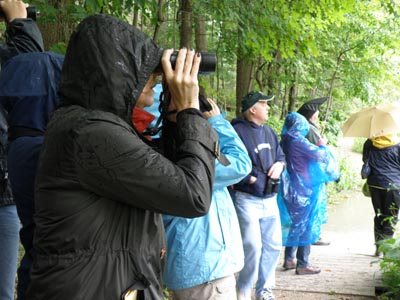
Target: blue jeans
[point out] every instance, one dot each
(302, 253)
(260, 226)
(23, 156)
(9, 241)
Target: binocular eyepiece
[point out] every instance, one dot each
(208, 63)
(31, 11)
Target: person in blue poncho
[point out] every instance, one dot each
(303, 196)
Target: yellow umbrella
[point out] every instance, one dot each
(370, 122)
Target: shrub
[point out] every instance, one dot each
(390, 267)
(358, 145)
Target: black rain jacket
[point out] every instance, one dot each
(100, 188)
(385, 165)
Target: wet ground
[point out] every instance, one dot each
(350, 271)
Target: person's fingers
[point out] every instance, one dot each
(181, 60)
(211, 101)
(213, 104)
(166, 63)
(196, 65)
(214, 107)
(188, 62)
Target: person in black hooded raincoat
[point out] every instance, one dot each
(100, 187)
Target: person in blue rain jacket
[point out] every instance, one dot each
(204, 253)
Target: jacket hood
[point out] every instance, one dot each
(384, 141)
(295, 125)
(107, 65)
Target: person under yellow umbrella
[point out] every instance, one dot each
(382, 153)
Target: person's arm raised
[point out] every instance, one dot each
(182, 81)
(13, 9)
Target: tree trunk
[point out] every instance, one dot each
(284, 107)
(160, 21)
(200, 34)
(244, 80)
(292, 97)
(56, 32)
(135, 20)
(293, 92)
(185, 12)
(59, 30)
(331, 85)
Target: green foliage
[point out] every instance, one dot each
(390, 267)
(275, 123)
(349, 176)
(59, 48)
(358, 145)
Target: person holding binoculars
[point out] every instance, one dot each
(101, 187)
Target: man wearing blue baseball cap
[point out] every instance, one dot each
(255, 199)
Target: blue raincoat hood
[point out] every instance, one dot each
(295, 125)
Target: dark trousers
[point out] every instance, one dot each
(23, 155)
(386, 207)
(302, 254)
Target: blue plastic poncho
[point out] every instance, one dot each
(302, 198)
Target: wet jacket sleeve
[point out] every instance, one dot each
(313, 136)
(22, 36)
(114, 163)
(234, 150)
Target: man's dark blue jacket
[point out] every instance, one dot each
(264, 150)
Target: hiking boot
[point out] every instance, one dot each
(289, 264)
(308, 270)
(322, 242)
(266, 294)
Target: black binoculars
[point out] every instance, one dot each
(31, 11)
(208, 63)
(272, 186)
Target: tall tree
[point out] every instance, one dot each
(185, 16)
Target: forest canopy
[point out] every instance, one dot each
(297, 50)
